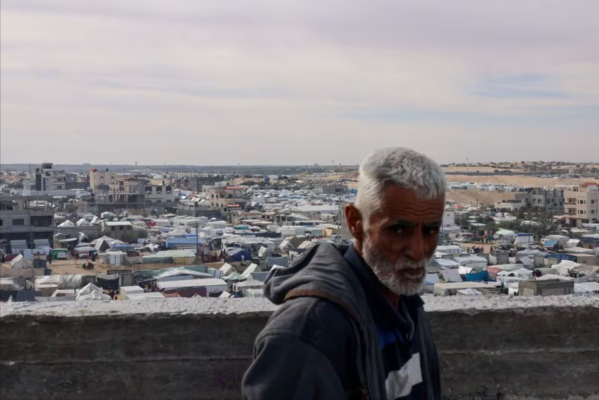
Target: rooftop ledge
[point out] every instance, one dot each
(491, 348)
(200, 305)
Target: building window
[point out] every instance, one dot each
(1, 222)
(18, 222)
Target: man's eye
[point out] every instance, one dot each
(396, 229)
(432, 231)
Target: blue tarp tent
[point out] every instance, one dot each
(562, 257)
(482, 276)
(234, 255)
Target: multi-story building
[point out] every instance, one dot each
(331, 189)
(162, 195)
(519, 201)
(45, 179)
(125, 194)
(76, 181)
(26, 222)
(101, 180)
(551, 200)
(227, 197)
(581, 203)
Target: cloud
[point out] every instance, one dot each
(281, 82)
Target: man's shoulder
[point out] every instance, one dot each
(314, 320)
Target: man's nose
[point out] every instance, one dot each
(416, 251)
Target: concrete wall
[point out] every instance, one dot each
(199, 348)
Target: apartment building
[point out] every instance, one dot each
(520, 200)
(26, 222)
(160, 194)
(581, 203)
(101, 180)
(45, 179)
(551, 200)
(226, 197)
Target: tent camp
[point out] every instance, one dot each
(171, 256)
(180, 274)
(472, 261)
(107, 239)
(20, 262)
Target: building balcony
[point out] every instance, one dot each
(493, 348)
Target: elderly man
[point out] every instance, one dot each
(351, 323)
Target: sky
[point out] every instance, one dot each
(297, 82)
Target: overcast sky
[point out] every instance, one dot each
(210, 82)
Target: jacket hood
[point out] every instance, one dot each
(321, 269)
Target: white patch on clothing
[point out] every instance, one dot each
(400, 383)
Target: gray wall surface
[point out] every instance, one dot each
(200, 348)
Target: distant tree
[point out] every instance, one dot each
(128, 237)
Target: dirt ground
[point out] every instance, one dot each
(474, 168)
(70, 267)
(486, 246)
(474, 197)
(521, 180)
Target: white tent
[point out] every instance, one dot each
(84, 249)
(586, 288)
(66, 224)
(470, 292)
(432, 278)
(226, 268)
(262, 253)
(83, 222)
(451, 275)
(251, 269)
(521, 273)
(20, 262)
(91, 292)
(564, 267)
(505, 234)
(472, 261)
(108, 239)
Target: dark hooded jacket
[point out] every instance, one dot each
(322, 342)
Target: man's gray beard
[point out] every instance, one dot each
(385, 271)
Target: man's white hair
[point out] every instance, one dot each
(403, 167)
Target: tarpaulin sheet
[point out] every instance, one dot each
(482, 276)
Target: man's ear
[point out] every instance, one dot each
(353, 216)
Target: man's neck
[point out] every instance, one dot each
(392, 297)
